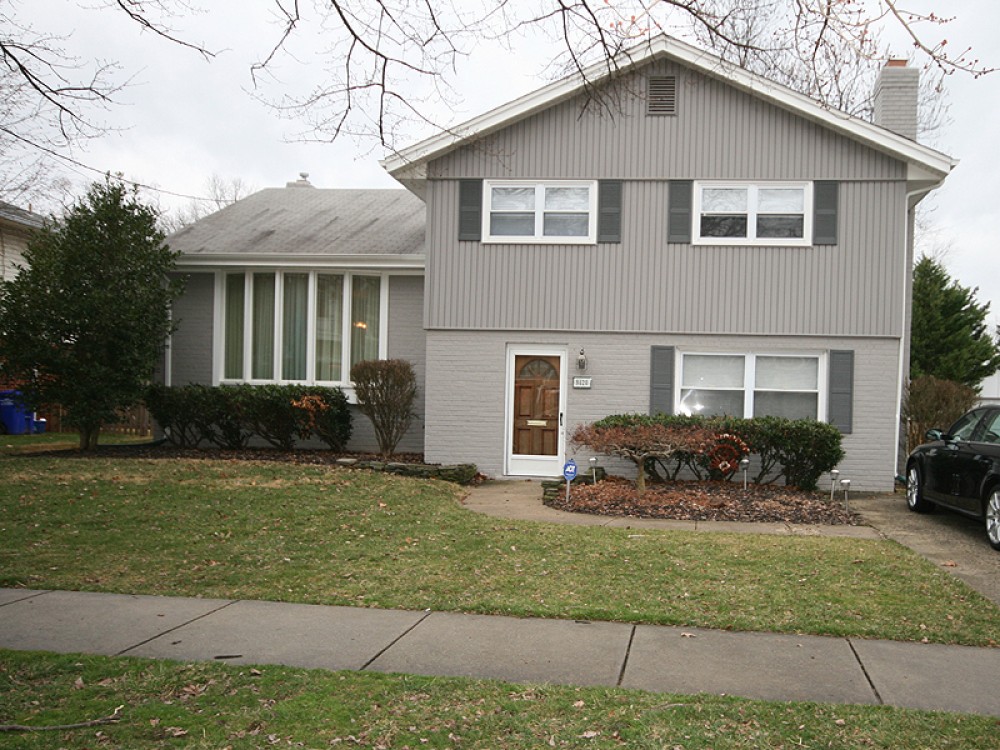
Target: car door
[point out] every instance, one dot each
(976, 461)
(945, 461)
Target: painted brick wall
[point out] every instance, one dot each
(467, 423)
(191, 343)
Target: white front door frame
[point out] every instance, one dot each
(534, 466)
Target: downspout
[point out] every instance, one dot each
(906, 329)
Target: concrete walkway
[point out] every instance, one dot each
(662, 659)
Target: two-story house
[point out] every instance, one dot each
(704, 241)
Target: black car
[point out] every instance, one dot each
(960, 469)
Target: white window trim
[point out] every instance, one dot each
(538, 238)
(749, 378)
(218, 338)
(751, 239)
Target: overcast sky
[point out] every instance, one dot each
(187, 118)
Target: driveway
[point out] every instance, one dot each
(945, 538)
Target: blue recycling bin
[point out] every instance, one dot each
(16, 419)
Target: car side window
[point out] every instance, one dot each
(990, 431)
(963, 428)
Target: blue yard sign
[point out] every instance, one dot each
(569, 470)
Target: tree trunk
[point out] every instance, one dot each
(88, 437)
(640, 476)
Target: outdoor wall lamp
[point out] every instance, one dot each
(581, 360)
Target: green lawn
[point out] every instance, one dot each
(13, 445)
(334, 536)
(166, 704)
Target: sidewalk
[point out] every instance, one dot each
(662, 659)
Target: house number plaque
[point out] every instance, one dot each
(581, 382)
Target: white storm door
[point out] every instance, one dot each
(536, 408)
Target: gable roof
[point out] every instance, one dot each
(926, 166)
(308, 226)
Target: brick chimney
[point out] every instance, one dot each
(896, 93)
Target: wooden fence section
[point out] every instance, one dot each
(135, 421)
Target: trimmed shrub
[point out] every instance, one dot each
(642, 441)
(386, 390)
(799, 451)
(230, 419)
(230, 415)
(184, 413)
(323, 412)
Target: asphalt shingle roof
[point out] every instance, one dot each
(299, 220)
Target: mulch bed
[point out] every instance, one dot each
(706, 501)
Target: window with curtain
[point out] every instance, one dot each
(262, 341)
(295, 326)
(365, 308)
(329, 326)
(301, 326)
(235, 286)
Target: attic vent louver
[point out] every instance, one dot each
(661, 95)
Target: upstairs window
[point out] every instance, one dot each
(753, 213)
(540, 212)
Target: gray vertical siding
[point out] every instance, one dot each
(719, 132)
(467, 423)
(191, 344)
(852, 288)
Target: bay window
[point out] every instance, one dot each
(752, 385)
(300, 326)
(753, 213)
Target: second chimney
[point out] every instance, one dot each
(896, 94)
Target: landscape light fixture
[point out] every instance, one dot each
(833, 482)
(846, 484)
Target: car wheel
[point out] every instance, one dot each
(992, 515)
(915, 493)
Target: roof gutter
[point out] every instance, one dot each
(408, 262)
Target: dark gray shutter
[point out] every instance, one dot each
(679, 216)
(825, 200)
(840, 403)
(661, 380)
(609, 211)
(470, 210)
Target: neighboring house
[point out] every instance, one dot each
(712, 242)
(16, 227)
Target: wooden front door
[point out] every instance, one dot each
(536, 414)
